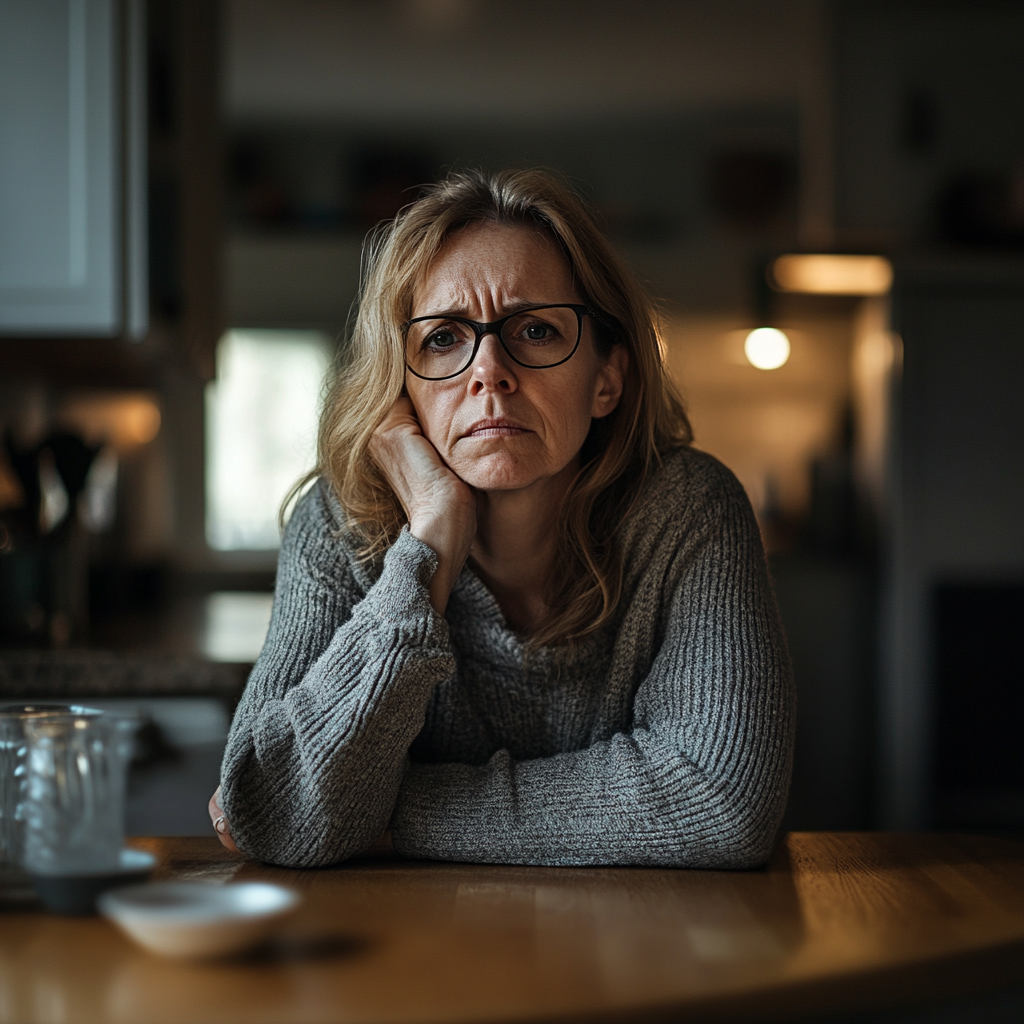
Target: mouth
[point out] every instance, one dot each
(501, 427)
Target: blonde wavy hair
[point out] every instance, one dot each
(621, 450)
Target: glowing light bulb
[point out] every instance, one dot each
(767, 348)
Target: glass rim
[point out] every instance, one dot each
(46, 710)
(43, 726)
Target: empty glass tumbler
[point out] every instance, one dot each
(13, 757)
(76, 777)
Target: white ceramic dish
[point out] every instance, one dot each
(198, 919)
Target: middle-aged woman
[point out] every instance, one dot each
(518, 618)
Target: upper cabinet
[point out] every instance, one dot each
(72, 168)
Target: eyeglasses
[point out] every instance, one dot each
(440, 347)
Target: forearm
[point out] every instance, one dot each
(625, 801)
(447, 537)
(440, 507)
(312, 770)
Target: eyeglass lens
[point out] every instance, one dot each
(443, 347)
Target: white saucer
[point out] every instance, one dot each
(198, 919)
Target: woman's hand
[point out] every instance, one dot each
(441, 508)
(220, 822)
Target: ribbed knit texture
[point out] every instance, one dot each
(665, 738)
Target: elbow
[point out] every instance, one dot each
(728, 837)
(748, 848)
(295, 827)
(299, 848)
(296, 835)
(741, 837)
(742, 820)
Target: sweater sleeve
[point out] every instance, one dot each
(319, 741)
(699, 780)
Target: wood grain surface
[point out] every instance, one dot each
(835, 923)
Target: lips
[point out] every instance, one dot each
(499, 427)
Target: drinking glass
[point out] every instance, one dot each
(13, 755)
(76, 776)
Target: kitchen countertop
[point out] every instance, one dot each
(198, 646)
(54, 675)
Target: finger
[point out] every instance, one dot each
(220, 822)
(406, 457)
(224, 834)
(214, 806)
(401, 415)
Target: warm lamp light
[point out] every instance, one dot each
(140, 421)
(831, 275)
(767, 348)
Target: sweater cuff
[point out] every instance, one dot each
(401, 595)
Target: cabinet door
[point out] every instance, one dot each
(60, 188)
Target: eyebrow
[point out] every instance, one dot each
(512, 308)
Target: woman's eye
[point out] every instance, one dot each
(538, 332)
(441, 339)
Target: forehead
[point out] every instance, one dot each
(495, 264)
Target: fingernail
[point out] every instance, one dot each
(221, 825)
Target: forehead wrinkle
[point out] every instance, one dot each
(506, 305)
(470, 273)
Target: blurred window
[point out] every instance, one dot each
(235, 625)
(261, 423)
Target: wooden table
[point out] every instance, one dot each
(836, 922)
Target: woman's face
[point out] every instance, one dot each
(498, 425)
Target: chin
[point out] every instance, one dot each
(497, 472)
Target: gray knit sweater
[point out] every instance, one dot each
(663, 739)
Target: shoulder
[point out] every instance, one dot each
(698, 474)
(691, 507)
(690, 488)
(317, 541)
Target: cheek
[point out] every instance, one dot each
(571, 421)
(435, 409)
(568, 412)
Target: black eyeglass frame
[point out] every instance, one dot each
(494, 327)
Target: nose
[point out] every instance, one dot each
(492, 369)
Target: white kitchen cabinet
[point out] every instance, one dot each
(72, 168)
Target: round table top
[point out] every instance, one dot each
(835, 922)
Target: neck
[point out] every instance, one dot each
(515, 545)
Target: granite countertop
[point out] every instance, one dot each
(90, 673)
(201, 646)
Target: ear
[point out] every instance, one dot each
(611, 378)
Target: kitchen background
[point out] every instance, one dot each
(184, 189)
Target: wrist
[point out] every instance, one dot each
(451, 545)
(447, 532)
